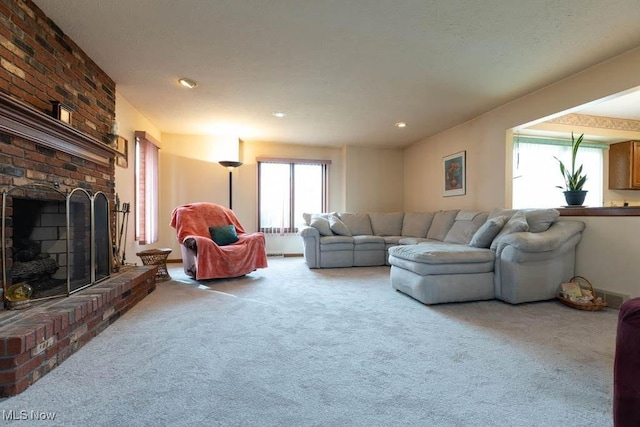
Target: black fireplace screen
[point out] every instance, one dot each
(56, 243)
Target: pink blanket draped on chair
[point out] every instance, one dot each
(213, 261)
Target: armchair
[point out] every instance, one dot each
(202, 258)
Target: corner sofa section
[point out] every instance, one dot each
(453, 255)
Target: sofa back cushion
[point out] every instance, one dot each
(465, 226)
(539, 220)
(386, 224)
(357, 223)
(417, 224)
(441, 224)
(517, 223)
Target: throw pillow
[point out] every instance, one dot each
(224, 235)
(517, 223)
(487, 232)
(322, 225)
(338, 226)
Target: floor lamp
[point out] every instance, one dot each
(231, 165)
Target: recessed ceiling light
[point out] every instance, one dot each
(278, 114)
(188, 83)
(401, 124)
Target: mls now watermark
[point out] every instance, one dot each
(24, 415)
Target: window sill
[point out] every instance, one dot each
(601, 211)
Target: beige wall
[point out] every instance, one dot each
(488, 166)
(373, 179)
(190, 173)
(369, 178)
(130, 121)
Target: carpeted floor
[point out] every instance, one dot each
(289, 346)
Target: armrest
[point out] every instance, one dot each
(190, 243)
(307, 231)
(553, 238)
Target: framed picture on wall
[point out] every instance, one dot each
(122, 147)
(454, 174)
(61, 112)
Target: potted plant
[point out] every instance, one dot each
(574, 179)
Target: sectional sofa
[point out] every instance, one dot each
(454, 255)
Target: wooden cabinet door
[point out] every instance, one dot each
(620, 166)
(635, 165)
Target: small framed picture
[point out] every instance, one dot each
(122, 148)
(454, 174)
(61, 112)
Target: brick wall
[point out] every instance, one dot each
(39, 64)
(25, 162)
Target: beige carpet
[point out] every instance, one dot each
(291, 346)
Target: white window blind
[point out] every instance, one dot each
(286, 189)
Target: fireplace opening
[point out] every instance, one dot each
(56, 243)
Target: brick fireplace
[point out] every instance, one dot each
(39, 158)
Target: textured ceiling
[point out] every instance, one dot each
(344, 71)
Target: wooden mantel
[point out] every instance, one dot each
(19, 119)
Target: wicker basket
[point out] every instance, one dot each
(595, 305)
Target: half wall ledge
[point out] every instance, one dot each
(35, 340)
(601, 211)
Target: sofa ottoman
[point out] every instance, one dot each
(435, 273)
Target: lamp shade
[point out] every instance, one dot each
(230, 163)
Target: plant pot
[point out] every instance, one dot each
(574, 197)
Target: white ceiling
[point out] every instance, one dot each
(344, 71)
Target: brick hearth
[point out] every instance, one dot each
(35, 340)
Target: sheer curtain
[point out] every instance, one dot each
(146, 189)
(536, 172)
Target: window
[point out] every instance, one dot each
(536, 172)
(287, 189)
(146, 213)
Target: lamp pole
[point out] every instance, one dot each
(231, 165)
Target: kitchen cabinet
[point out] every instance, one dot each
(624, 166)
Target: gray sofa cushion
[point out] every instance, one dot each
(517, 223)
(363, 239)
(442, 253)
(322, 225)
(465, 226)
(308, 216)
(387, 224)
(357, 224)
(416, 224)
(540, 220)
(413, 240)
(338, 226)
(487, 232)
(336, 243)
(368, 243)
(442, 222)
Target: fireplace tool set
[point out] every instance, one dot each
(119, 249)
